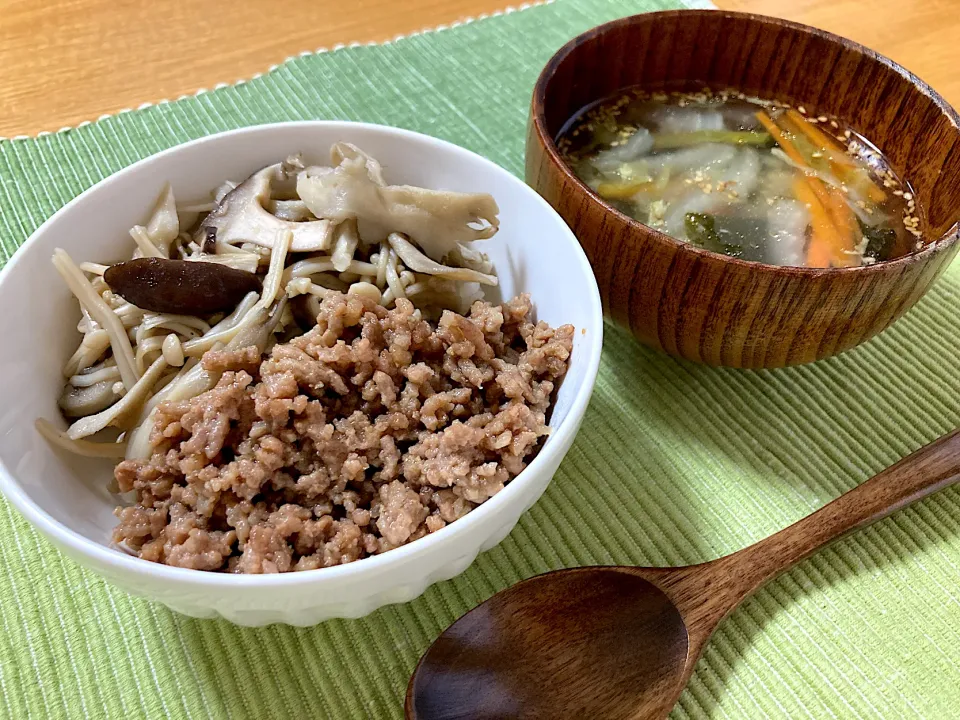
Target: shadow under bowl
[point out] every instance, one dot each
(716, 309)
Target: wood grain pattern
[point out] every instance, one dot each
(621, 643)
(918, 34)
(66, 61)
(715, 309)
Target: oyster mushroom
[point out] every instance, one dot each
(241, 216)
(418, 262)
(438, 221)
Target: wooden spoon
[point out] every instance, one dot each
(607, 643)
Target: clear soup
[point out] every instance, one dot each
(750, 178)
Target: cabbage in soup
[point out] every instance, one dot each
(749, 178)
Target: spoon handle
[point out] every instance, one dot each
(929, 469)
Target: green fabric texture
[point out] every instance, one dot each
(676, 463)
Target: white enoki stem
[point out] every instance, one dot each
(313, 266)
(393, 278)
(144, 243)
(93, 268)
(271, 283)
(130, 315)
(100, 312)
(189, 369)
(180, 329)
(100, 285)
(223, 331)
(147, 347)
(318, 290)
(163, 320)
(87, 323)
(87, 379)
(416, 288)
(129, 403)
(93, 345)
(382, 267)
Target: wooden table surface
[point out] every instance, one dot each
(66, 61)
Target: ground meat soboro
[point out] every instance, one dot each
(366, 433)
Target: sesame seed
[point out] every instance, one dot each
(802, 110)
(822, 118)
(908, 196)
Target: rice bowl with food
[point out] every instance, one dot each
(71, 499)
(303, 371)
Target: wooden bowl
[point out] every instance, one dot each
(716, 309)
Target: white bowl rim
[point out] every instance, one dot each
(591, 343)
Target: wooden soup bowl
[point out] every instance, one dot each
(716, 309)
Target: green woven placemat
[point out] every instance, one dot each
(676, 463)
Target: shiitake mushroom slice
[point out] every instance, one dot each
(183, 287)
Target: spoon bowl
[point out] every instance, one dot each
(621, 643)
(606, 640)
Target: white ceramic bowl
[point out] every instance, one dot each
(66, 497)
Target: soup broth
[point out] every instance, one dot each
(746, 177)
